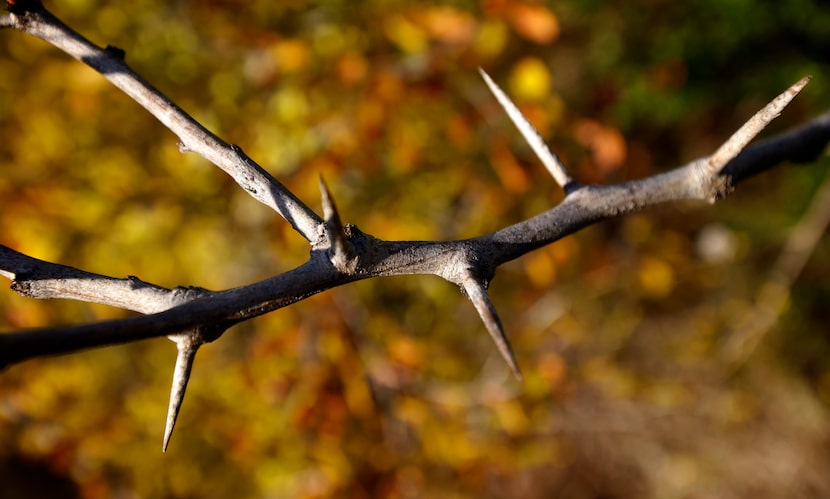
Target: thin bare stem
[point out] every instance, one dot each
(530, 134)
(194, 137)
(44, 280)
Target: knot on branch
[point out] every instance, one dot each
(116, 52)
(184, 294)
(722, 186)
(22, 287)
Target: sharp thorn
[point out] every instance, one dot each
(329, 209)
(530, 134)
(181, 375)
(481, 301)
(753, 126)
(343, 253)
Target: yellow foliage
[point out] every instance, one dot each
(656, 277)
(291, 55)
(540, 269)
(405, 34)
(491, 38)
(530, 79)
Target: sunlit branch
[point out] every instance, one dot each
(110, 63)
(343, 254)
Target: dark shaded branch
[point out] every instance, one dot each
(802, 144)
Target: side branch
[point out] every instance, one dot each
(44, 280)
(352, 254)
(448, 259)
(33, 19)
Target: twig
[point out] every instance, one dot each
(110, 63)
(342, 254)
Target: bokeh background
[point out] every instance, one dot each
(648, 372)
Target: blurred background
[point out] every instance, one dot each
(666, 354)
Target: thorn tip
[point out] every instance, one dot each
(481, 301)
(529, 132)
(185, 356)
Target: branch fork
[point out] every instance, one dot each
(191, 316)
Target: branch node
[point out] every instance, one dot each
(116, 52)
(571, 187)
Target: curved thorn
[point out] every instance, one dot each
(481, 301)
(181, 375)
(530, 134)
(753, 126)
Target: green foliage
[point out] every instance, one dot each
(391, 388)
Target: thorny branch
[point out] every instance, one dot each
(342, 253)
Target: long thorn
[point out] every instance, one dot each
(530, 134)
(181, 375)
(753, 126)
(481, 301)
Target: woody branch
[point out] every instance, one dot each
(342, 253)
